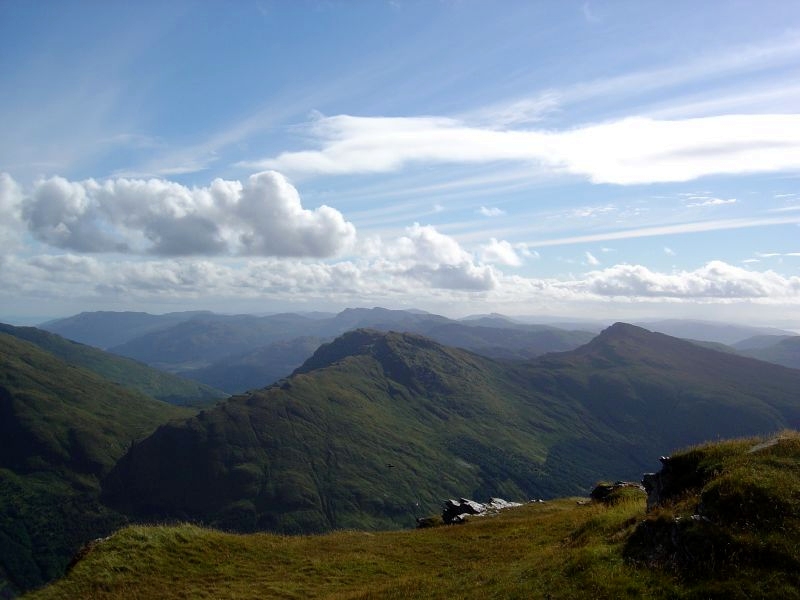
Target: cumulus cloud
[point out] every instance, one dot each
(715, 280)
(633, 150)
(438, 259)
(262, 216)
(378, 280)
(500, 252)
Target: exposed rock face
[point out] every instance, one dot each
(457, 511)
(655, 484)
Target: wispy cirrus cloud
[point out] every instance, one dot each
(698, 200)
(635, 150)
(491, 211)
(691, 227)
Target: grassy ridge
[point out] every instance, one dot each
(555, 550)
(745, 546)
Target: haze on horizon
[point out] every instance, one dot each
(620, 160)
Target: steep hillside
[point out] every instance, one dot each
(726, 526)
(62, 427)
(663, 392)
(124, 371)
(375, 425)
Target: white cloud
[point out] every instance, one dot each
(376, 281)
(776, 254)
(491, 211)
(635, 150)
(262, 216)
(691, 227)
(10, 223)
(715, 280)
(591, 260)
(500, 252)
(523, 249)
(701, 200)
(669, 251)
(429, 256)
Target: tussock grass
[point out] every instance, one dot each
(528, 552)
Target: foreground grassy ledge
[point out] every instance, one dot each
(729, 527)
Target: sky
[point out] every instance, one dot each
(603, 160)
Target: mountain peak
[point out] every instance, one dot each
(620, 329)
(410, 359)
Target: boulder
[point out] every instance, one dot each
(456, 511)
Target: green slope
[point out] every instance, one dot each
(62, 428)
(124, 371)
(377, 427)
(742, 544)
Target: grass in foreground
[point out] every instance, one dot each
(552, 550)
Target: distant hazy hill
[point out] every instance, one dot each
(105, 329)
(197, 343)
(375, 425)
(709, 331)
(62, 427)
(239, 352)
(757, 342)
(124, 371)
(256, 368)
(784, 351)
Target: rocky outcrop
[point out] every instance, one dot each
(457, 511)
(608, 492)
(655, 484)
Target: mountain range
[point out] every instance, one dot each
(235, 353)
(372, 430)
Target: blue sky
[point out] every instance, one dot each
(613, 160)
